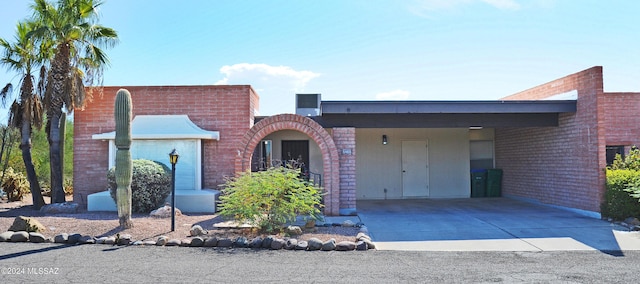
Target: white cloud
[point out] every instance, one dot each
(276, 85)
(393, 95)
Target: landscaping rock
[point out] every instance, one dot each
(256, 243)
(266, 242)
(291, 244)
(293, 230)
(360, 245)
(197, 230)
(37, 237)
(348, 223)
(211, 242)
(110, 241)
(302, 245)
(329, 245)
(6, 236)
(185, 242)
(241, 242)
(148, 243)
(314, 244)
(197, 242)
(164, 212)
(60, 208)
(86, 240)
(73, 238)
(361, 236)
(345, 246)
(101, 240)
(21, 236)
(277, 244)
(61, 238)
(632, 221)
(27, 224)
(310, 224)
(137, 243)
(123, 240)
(370, 244)
(173, 243)
(162, 240)
(225, 243)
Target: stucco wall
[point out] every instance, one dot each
(380, 166)
(227, 109)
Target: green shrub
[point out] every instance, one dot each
(630, 162)
(269, 199)
(150, 185)
(619, 201)
(15, 184)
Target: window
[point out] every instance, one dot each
(612, 151)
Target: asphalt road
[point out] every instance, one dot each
(53, 263)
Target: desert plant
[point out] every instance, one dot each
(269, 199)
(15, 184)
(123, 113)
(150, 185)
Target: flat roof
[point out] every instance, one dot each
(434, 107)
(443, 114)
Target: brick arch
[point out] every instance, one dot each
(330, 158)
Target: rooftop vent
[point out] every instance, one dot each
(308, 104)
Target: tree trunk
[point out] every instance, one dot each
(25, 146)
(57, 193)
(60, 67)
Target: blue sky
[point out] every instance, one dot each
(365, 50)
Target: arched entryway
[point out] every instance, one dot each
(330, 158)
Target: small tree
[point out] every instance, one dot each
(270, 198)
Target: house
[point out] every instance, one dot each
(551, 141)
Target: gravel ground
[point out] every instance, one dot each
(99, 224)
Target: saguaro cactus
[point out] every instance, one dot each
(124, 168)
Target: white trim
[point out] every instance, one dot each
(157, 127)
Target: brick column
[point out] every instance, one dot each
(345, 140)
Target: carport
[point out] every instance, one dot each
(425, 149)
(488, 224)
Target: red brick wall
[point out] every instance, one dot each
(227, 109)
(558, 165)
(345, 139)
(622, 118)
(330, 159)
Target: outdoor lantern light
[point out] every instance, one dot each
(173, 159)
(384, 139)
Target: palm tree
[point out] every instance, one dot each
(26, 111)
(78, 60)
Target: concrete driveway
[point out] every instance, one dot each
(488, 224)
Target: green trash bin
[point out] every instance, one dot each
(494, 183)
(478, 183)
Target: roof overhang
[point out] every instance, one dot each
(159, 127)
(431, 107)
(443, 114)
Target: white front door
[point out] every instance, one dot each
(415, 169)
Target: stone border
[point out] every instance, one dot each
(362, 241)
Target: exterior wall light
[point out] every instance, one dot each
(173, 159)
(384, 139)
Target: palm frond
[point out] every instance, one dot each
(5, 93)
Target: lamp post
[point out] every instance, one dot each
(173, 158)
